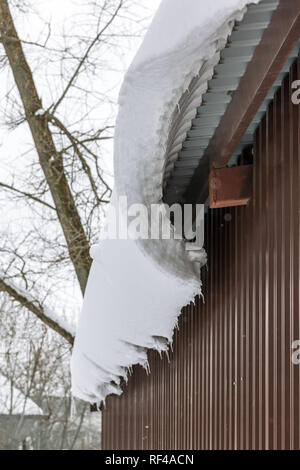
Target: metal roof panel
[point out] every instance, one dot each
(234, 59)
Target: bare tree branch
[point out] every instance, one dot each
(25, 300)
(30, 196)
(85, 56)
(85, 166)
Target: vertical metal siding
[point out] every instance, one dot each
(229, 382)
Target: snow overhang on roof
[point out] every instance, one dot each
(136, 289)
(189, 142)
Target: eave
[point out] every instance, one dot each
(215, 139)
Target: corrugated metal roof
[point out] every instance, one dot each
(234, 59)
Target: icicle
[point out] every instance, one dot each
(168, 357)
(200, 286)
(146, 366)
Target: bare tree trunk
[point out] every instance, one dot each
(50, 160)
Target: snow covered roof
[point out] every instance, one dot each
(199, 114)
(137, 289)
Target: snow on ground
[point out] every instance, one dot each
(136, 289)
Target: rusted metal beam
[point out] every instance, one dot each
(229, 187)
(271, 54)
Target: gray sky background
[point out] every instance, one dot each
(66, 16)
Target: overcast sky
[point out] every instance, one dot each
(68, 17)
(63, 15)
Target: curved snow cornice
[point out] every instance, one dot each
(136, 289)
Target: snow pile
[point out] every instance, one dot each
(136, 289)
(40, 112)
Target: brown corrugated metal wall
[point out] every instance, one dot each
(229, 382)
